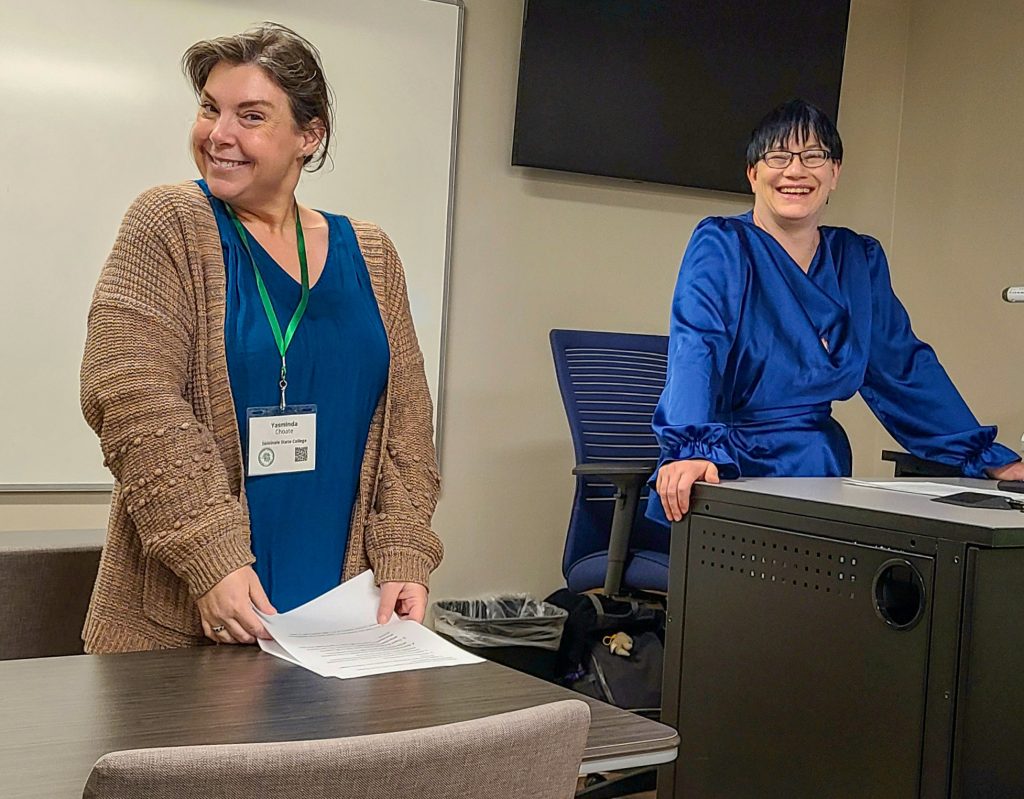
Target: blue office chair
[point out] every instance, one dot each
(610, 384)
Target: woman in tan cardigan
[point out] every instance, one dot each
(253, 374)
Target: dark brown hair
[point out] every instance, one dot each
(291, 61)
(796, 118)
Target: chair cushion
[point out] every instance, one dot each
(645, 571)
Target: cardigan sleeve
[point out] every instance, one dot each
(400, 543)
(134, 393)
(909, 391)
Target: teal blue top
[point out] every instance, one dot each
(338, 360)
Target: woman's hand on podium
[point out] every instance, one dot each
(227, 608)
(675, 480)
(1012, 471)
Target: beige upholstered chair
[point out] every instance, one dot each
(527, 754)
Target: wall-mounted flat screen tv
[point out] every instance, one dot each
(668, 91)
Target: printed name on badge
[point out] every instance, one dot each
(281, 441)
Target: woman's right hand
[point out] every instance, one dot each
(674, 482)
(229, 604)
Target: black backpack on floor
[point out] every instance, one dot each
(586, 663)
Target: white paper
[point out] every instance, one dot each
(926, 488)
(337, 635)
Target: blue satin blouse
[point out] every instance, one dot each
(759, 350)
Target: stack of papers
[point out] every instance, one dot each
(926, 488)
(337, 635)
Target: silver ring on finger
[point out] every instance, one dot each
(218, 629)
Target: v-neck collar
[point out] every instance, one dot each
(266, 257)
(748, 218)
(816, 292)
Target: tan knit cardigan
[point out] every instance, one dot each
(155, 389)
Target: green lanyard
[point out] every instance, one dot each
(282, 341)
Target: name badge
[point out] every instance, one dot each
(281, 440)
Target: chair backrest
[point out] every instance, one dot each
(610, 385)
(46, 580)
(527, 754)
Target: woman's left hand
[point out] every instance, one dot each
(408, 600)
(1012, 471)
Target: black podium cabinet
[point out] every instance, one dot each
(831, 641)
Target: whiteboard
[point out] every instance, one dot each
(95, 110)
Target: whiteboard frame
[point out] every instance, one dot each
(442, 354)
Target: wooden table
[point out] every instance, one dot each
(58, 715)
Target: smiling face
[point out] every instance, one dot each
(796, 195)
(245, 140)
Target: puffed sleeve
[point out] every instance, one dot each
(909, 391)
(705, 314)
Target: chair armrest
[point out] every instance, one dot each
(907, 465)
(629, 478)
(612, 469)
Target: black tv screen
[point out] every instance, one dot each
(668, 91)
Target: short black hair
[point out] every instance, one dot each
(794, 118)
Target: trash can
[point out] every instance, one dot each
(515, 630)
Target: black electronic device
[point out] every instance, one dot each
(667, 91)
(972, 499)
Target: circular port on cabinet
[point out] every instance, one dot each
(898, 590)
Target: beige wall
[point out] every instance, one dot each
(53, 511)
(960, 198)
(535, 250)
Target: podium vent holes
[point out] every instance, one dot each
(748, 556)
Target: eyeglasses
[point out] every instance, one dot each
(780, 159)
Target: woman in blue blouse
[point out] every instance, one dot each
(775, 317)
